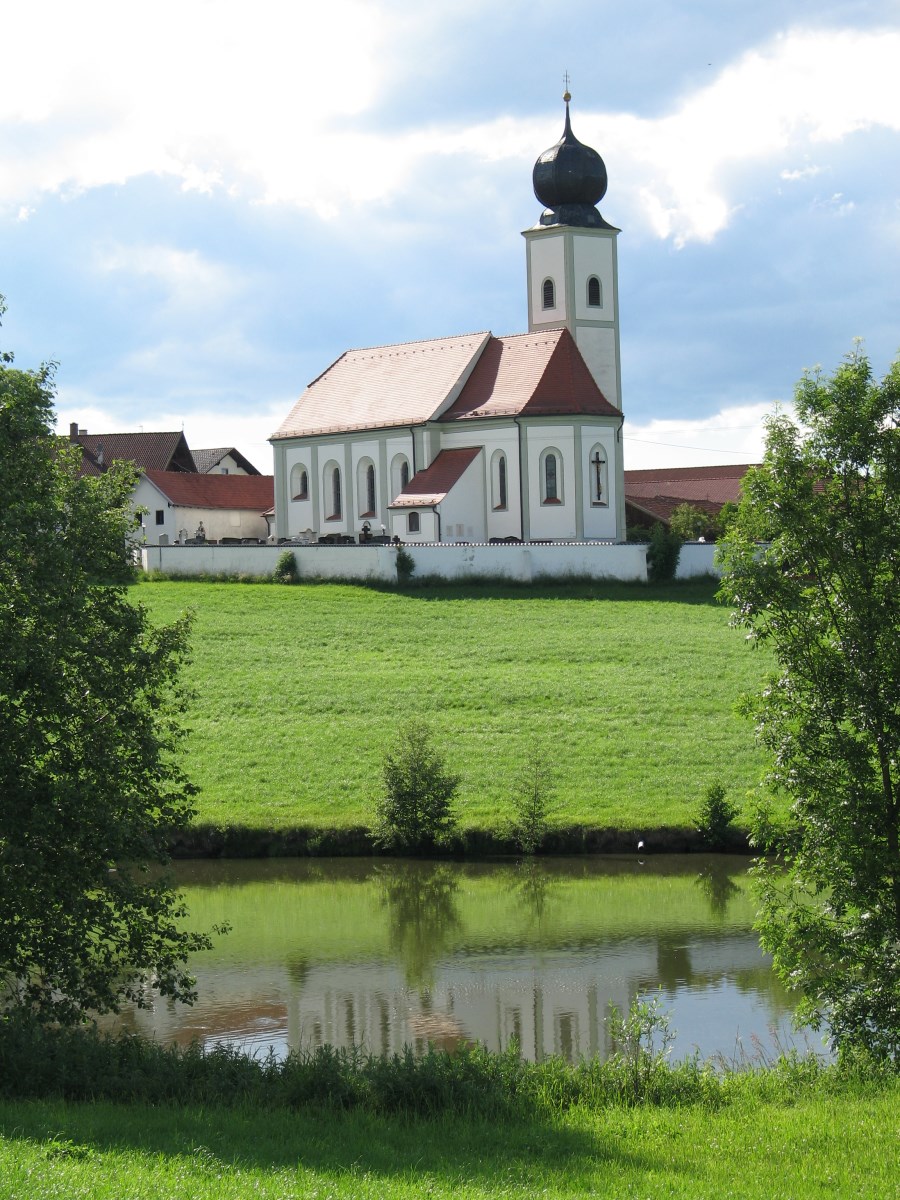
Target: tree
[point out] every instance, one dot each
(691, 523)
(812, 565)
(417, 811)
(89, 709)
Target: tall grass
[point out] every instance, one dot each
(85, 1066)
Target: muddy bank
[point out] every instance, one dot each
(236, 841)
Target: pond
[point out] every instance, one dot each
(385, 953)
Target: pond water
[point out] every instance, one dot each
(385, 953)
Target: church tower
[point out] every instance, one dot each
(571, 258)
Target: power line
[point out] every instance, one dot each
(682, 446)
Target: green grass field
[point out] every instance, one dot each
(629, 691)
(800, 1149)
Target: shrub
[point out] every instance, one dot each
(286, 570)
(714, 816)
(406, 565)
(662, 554)
(532, 802)
(417, 812)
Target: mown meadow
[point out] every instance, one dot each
(630, 693)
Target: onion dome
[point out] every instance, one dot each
(570, 180)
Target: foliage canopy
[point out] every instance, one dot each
(89, 703)
(823, 591)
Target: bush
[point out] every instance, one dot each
(690, 523)
(532, 802)
(406, 564)
(417, 812)
(662, 554)
(286, 570)
(714, 816)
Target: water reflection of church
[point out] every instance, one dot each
(552, 1003)
(384, 955)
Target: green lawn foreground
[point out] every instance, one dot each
(841, 1145)
(629, 691)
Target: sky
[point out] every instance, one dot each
(203, 203)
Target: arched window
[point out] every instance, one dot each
(412, 522)
(399, 474)
(365, 487)
(594, 293)
(498, 481)
(332, 492)
(299, 482)
(551, 477)
(598, 474)
(548, 291)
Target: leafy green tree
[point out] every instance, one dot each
(823, 590)
(89, 705)
(417, 811)
(690, 523)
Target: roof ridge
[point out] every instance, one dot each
(447, 337)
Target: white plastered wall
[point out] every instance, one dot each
(599, 520)
(497, 522)
(546, 260)
(463, 509)
(551, 520)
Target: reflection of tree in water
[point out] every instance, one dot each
(422, 914)
(530, 883)
(715, 883)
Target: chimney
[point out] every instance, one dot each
(73, 432)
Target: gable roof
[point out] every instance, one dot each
(256, 492)
(462, 378)
(531, 375)
(156, 451)
(384, 386)
(206, 460)
(430, 486)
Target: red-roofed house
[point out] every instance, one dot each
(180, 503)
(477, 437)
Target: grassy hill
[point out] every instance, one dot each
(629, 691)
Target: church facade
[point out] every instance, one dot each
(477, 438)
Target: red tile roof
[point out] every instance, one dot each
(531, 375)
(256, 492)
(156, 451)
(430, 486)
(690, 485)
(384, 386)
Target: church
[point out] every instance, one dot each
(479, 438)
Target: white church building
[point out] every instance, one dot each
(477, 438)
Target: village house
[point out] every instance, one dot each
(181, 495)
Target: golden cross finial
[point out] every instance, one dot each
(566, 96)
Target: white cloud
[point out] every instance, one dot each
(732, 435)
(188, 279)
(269, 104)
